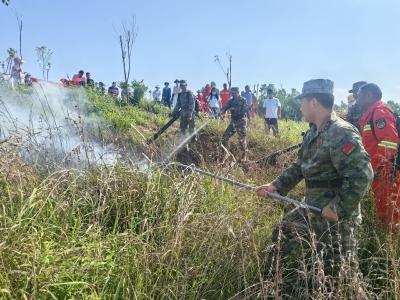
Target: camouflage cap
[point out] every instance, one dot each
(316, 86)
(235, 89)
(183, 82)
(356, 86)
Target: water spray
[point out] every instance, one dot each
(251, 188)
(185, 141)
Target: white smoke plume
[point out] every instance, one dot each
(53, 126)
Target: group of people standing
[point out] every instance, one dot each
(338, 162)
(219, 103)
(17, 75)
(211, 100)
(167, 96)
(82, 80)
(379, 129)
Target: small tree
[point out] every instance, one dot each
(290, 105)
(126, 40)
(43, 59)
(48, 67)
(7, 64)
(139, 89)
(394, 106)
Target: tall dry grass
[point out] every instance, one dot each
(117, 232)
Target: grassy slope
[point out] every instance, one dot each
(116, 233)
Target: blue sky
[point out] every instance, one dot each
(284, 42)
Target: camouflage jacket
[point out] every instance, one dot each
(354, 115)
(335, 166)
(185, 104)
(237, 107)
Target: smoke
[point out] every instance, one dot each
(53, 126)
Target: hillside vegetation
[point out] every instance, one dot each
(121, 232)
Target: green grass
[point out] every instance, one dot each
(114, 233)
(118, 233)
(127, 120)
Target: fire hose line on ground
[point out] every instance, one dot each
(250, 188)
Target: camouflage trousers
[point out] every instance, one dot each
(238, 126)
(312, 257)
(185, 123)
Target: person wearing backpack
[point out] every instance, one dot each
(380, 135)
(215, 103)
(186, 106)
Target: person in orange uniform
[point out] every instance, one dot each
(225, 95)
(201, 100)
(380, 139)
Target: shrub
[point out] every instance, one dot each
(139, 89)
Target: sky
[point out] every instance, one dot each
(284, 42)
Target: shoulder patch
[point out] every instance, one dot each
(348, 148)
(380, 123)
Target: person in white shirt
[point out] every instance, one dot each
(157, 94)
(175, 92)
(16, 72)
(272, 108)
(215, 103)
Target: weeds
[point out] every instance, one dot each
(114, 232)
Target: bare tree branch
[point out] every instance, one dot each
(127, 38)
(228, 72)
(43, 59)
(11, 54)
(20, 25)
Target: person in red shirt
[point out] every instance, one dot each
(380, 139)
(206, 94)
(201, 100)
(225, 95)
(79, 79)
(207, 90)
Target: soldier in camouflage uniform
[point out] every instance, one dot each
(310, 249)
(239, 114)
(185, 106)
(354, 112)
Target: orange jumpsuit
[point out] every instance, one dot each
(380, 139)
(225, 96)
(202, 102)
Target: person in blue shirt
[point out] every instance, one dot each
(249, 96)
(166, 95)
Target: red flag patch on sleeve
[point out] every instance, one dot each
(348, 148)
